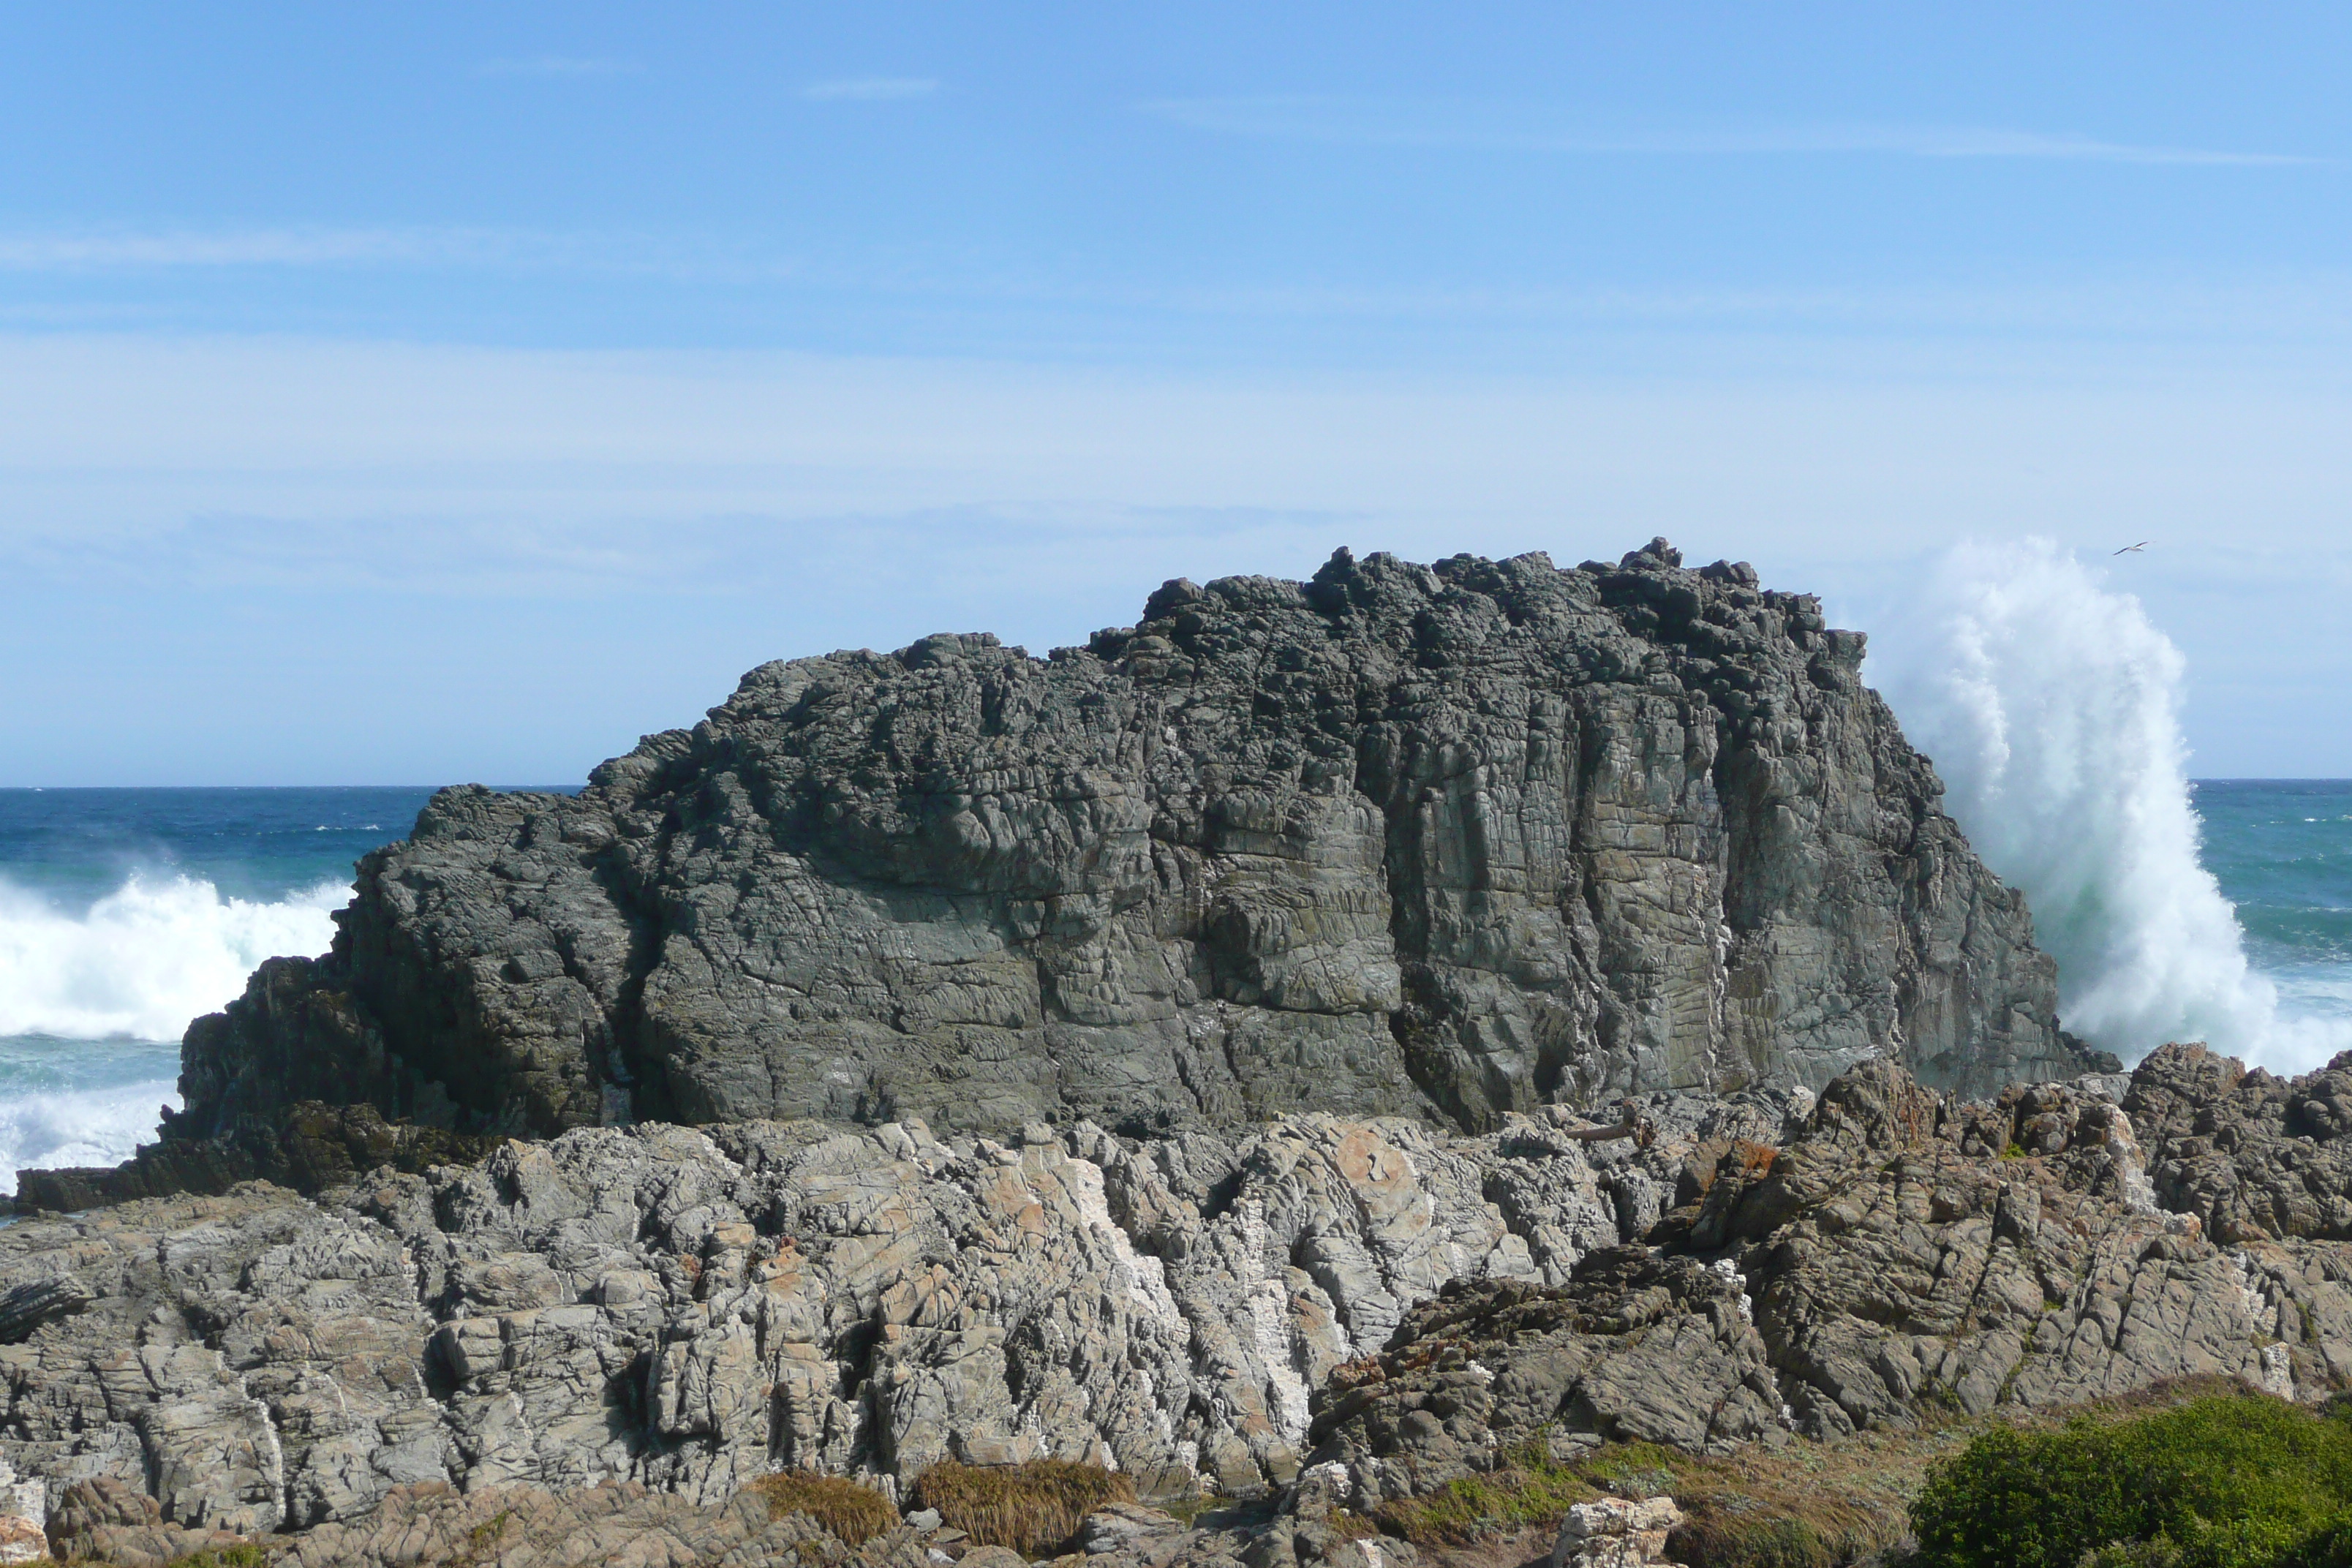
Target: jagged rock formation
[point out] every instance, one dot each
(1907, 1252)
(2250, 1155)
(1451, 841)
(1386, 1306)
(688, 1308)
(624, 1526)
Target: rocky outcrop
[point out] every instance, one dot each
(1904, 1254)
(614, 1526)
(1615, 1532)
(1453, 841)
(690, 1309)
(1349, 1310)
(307, 1145)
(2250, 1155)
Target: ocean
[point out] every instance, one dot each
(2282, 852)
(124, 913)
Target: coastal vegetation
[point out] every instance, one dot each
(2228, 1480)
(1034, 1508)
(854, 1513)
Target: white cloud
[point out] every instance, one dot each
(301, 244)
(113, 432)
(869, 89)
(555, 66)
(2307, 312)
(733, 506)
(290, 246)
(1505, 128)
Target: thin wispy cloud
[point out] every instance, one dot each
(869, 89)
(65, 251)
(556, 65)
(2308, 308)
(680, 257)
(276, 247)
(1493, 128)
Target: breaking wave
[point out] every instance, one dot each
(2050, 704)
(146, 958)
(81, 1127)
(92, 1005)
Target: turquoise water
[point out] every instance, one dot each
(2281, 850)
(124, 913)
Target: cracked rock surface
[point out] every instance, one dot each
(1902, 1253)
(1451, 841)
(1384, 1307)
(690, 1309)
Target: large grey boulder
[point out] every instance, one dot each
(1448, 841)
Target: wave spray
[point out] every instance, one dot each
(146, 958)
(92, 1005)
(2051, 706)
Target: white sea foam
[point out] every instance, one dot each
(105, 996)
(80, 1127)
(2051, 705)
(148, 957)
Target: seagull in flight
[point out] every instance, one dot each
(2133, 549)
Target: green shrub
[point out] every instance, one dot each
(2228, 1481)
(1034, 1509)
(851, 1513)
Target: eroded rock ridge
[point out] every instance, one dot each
(1359, 1310)
(1449, 841)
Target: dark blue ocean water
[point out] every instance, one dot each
(73, 846)
(124, 913)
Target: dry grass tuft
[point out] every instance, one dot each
(1034, 1509)
(1802, 1504)
(851, 1513)
(243, 1554)
(1528, 1488)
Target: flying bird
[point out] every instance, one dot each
(2133, 549)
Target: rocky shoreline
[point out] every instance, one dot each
(1374, 1304)
(1308, 1054)
(1447, 841)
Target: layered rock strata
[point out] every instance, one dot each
(1385, 1306)
(1451, 841)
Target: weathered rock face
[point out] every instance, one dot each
(2250, 1155)
(1376, 1305)
(623, 1526)
(1902, 1253)
(690, 1309)
(1454, 840)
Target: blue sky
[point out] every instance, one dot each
(433, 392)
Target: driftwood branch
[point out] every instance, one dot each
(1598, 1135)
(1641, 1128)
